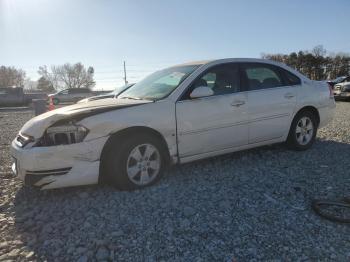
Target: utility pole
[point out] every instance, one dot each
(125, 81)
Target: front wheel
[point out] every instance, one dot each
(136, 163)
(303, 131)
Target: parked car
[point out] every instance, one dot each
(342, 90)
(112, 94)
(15, 96)
(71, 95)
(176, 115)
(339, 80)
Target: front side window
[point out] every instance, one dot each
(222, 79)
(259, 76)
(64, 92)
(159, 84)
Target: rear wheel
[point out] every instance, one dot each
(303, 131)
(136, 163)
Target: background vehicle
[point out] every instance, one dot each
(71, 95)
(176, 115)
(339, 80)
(16, 97)
(342, 90)
(112, 94)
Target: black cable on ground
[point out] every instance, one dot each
(320, 207)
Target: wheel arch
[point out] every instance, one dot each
(311, 109)
(129, 132)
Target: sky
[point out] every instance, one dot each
(153, 34)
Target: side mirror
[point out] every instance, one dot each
(201, 91)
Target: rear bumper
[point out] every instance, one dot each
(58, 166)
(326, 113)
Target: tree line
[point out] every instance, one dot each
(54, 78)
(317, 64)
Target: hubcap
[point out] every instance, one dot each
(143, 164)
(304, 130)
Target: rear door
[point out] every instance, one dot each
(213, 123)
(271, 101)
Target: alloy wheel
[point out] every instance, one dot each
(143, 164)
(304, 130)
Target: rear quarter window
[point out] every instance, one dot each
(290, 78)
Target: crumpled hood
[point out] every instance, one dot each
(37, 125)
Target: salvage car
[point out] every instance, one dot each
(176, 115)
(342, 90)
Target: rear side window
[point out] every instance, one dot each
(291, 79)
(261, 76)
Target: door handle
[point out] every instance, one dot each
(289, 95)
(237, 103)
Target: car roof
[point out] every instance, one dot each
(227, 60)
(243, 60)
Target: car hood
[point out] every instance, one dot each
(37, 125)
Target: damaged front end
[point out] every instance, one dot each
(55, 161)
(54, 149)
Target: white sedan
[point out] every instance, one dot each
(180, 114)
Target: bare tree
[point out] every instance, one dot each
(11, 77)
(45, 85)
(69, 76)
(49, 76)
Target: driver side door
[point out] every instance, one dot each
(214, 123)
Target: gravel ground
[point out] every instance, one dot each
(251, 205)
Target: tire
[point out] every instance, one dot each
(55, 101)
(303, 131)
(121, 168)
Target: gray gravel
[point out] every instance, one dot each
(252, 205)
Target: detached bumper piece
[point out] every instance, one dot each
(33, 177)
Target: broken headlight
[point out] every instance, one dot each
(63, 135)
(22, 140)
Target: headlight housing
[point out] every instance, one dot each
(22, 140)
(64, 134)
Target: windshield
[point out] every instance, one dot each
(339, 79)
(159, 84)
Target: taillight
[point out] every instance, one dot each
(331, 93)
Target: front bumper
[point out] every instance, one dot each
(58, 166)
